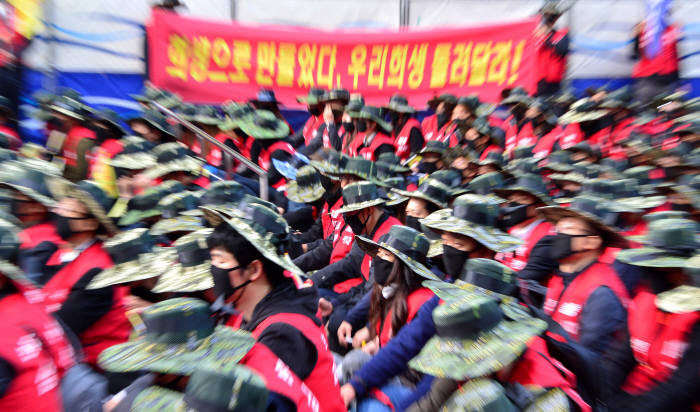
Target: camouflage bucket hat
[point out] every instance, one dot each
(135, 258)
(391, 163)
(627, 197)
(407, 244)
(666, 214)
(222, 193)
(495, 159)
(329, 162)
(399, 103)
(358, 167)
(179, 336)
(154, 119)
(486, 184)
(234, 388)
(517, 96)
(307, 187)
(28, 178)
(174, 207)
(178, 224)
(215, 215)
(434, 146)
(358, 196)
(474, 216)
(313, 97)
(595, 211)
(142, 207)
(474, 339)
(338, 94)
(669, 243)
(448, 177)
(527, 183)
(431, 190)
(375, 114)
(135, 155)
(188, 263)
(690, 190)
(264, 125)
(267, 231)
(559, 162)
(89, 193)
(172, 157)
(237, 114)
(164, 97)
(207, 115)
(386, 191)
(479, 395)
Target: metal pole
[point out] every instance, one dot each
(262, 174)
(50, 82)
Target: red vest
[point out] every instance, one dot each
(113, 328)
(622, 130)
(658, 339)
(551, 66)
(322, 380)
(378, 140)
(666, 62)
(310, 129)
(70, 145)
(545, 143)
(447, 134)
(518, 259)
(402, 140)
(330, 218)
(565, 305)
(279, 378)
(526, 136)
(34, 344)
(414, 301)
(570, 135)
(429, 127)
(264, 158)
(342, 243)
(537, 368)
(32, 236)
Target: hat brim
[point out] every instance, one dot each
(147, 266)
(505, 192)
(568, 177)
(187, 164)
(133, 161)
(359, 206)
(183, 279)
(460, 289)
(61, 188)
(610, 235)
(135, 216)
(651, 257)
(400, 108)
(380, 122)
(67, 112)
(420, 195)
(371, 248)
(157, 399)
(490, 351)
(637, 204)
(435, 248)
(304, 195)
(31, 193)
(177, 224)
(492, 238)
(224, 346)
(682, 299)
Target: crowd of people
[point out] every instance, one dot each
(535, 253)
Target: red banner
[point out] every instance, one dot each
(211, 62)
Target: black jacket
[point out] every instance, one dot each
(284, 340)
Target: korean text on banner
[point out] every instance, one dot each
(211, 62)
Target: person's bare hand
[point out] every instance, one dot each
(372, 347)
(328, 115)
(347, 392)
(361, 335)
(344, 333)
(325, 307)
(347, 118)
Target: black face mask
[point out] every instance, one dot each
(672, 172)
(361, 126)
(315, 111)
(513, 214)
(382, 269)
(412, 222)
(357, 225)
(337, 116)
(561, 246)
(394, 117)
(222, 282)
(427, 167)
(454, 260)
(63, 228)
(349, 127)
(15, 207)
(327, 183)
